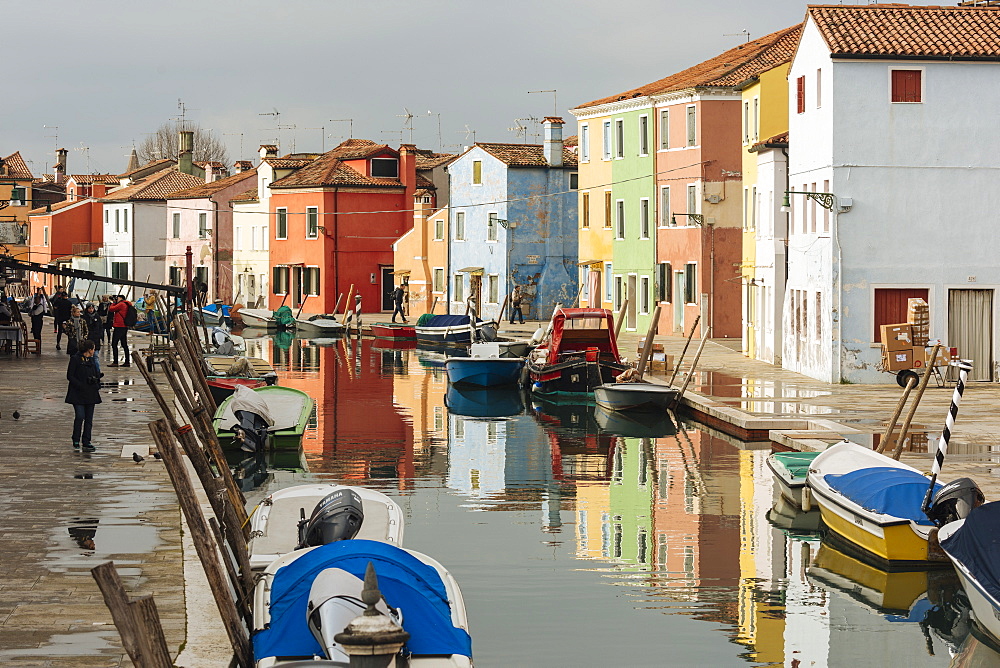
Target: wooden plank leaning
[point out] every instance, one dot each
(123, 615)
(677, 364)
(694, 365)
(204, 542)
(905, 429)
(647, 348)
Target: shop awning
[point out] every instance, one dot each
(587, 263)
(471, 270)
(398, 272)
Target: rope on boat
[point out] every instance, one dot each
(964, 367)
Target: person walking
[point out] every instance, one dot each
(95, 326)
(84, 393)
(61, 313)
(119, 311)
(39, 305)
(516, 299)
(397, 303)
(76, 330)
(107, 317)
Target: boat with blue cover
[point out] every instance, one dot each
(873, 502)
(484, 367)
(216, 313)
(453, 330)
(305, 598)
(973, 545)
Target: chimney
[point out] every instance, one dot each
(98, 190)
(185, 154)
(553, 147)
(268, 151)
(408, 169)
(60, 168)
(242, 166)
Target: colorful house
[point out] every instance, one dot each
(333, 222)
(596, 209)
(513, 222)
(15, 202)
(420, 258)
(885, 113)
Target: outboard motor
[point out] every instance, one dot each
(955, 501)
(337, 517)
(251, 433)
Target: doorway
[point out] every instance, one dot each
(387, 287)
(630, 322)
(970, 329)
(475, 291)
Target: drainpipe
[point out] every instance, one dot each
(336, 235)
(215, 250)
(780, 324)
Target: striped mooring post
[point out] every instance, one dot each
(964, 367)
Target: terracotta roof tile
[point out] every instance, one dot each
(889, 30)
(244, 165)
(770, 142)
(287, 163)
(524, 155)
(329, 169)
(208, 189)
(57, 206)
(424, 183)
(214, 164)
(727, 69)
(248, 196)
(155, 186)
(161, 163)
(571, 141)
(429, 160)
(84, 179)
(15, 167)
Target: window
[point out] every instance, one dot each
(310, 281)
(607, 281)
(644, 295)
(282, 225)
(800, 95)
(176, 275)
(690, 283)
(753, 208)
(492, 289)
(312, 222)
(117, 221)
(692, 199)
(664, 129)
(438, 279)
(45, 235)
(265, 242)
(618, 292)
(584, 143)
(124, 220)
(607, 209)
(279, 280)
(819, 88)
(574, 181)
(756, 118)
(585, 210)
(826, 212)
(201, 274)
(459, 226)
(620, 219)
(692, 125)
(644, 218)
(385, 167)
(746, 121)
(106, 214)
(746, 208)
(458, 294)
(664, 206)
(906, 85)
(491, 226)
(202, 225)
(438, 230)
(665, 282)
(176, 231)
(619, 138)
(477, 172)
(891, 306)
(643, 135)
(607, 140)
(119, 270)
(819, 317)
(253, 238)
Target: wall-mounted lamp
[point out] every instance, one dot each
(695, 218)
(826, 200)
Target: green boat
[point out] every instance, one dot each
(289, 408)
(790, 470)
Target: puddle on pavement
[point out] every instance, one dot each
(85, 643)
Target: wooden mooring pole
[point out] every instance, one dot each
(137, 620)
(687, 343)
(694, 365)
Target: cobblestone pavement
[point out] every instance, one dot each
(65, 512)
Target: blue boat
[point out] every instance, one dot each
(484, 367)
(453, 330)
(482, 402)
(216, 314)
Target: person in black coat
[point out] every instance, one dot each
(95, 326)
(61, 307)
(84, 393)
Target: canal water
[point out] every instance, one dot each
(581, 539)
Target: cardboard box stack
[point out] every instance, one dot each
(919, 318)
(659, 361)
(897, 337)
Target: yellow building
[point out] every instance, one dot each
(421, 258)
(594, 207)
(15, 203)
(765, 127)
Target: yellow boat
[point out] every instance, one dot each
(874, 502)
(885, 591)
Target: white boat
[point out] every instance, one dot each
(790, 470)
(641, 396)
(258, 317)
(874, 502)
(318, 325)
(303, 599)
(274, 523)
(973, 545)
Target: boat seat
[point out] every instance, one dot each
(281, 532)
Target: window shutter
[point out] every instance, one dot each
(800, 94)
(906, 86)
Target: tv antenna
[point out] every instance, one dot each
(469, 132)
(440, 141)
(350, 127)
(291, 127)
(555, 99)
(743, 33)
(277, 122)
(55, 136)
(233, 134)
(407, 123)
(322, 134)
(81, 147)
(393, 132)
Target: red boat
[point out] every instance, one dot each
(394, 331)
(578, 354)
(222, 387)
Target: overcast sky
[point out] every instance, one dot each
(105, 72)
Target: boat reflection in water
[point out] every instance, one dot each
(484, 402)
(635, 425)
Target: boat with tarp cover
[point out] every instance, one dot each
(578, 353)
(453, 330)
(305, 598)
(973, 545)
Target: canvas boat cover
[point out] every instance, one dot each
(245, 399)
(977, 546)
(443, 321)
(576, 329)
(406, 583)
(283, 316)
(886, 490)
(215, 308)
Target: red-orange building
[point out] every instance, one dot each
(333, 223)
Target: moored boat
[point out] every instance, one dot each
(634, 425)
(216, 314)
(303, 599)
(394, 331)
(484, 367)
(453, 330)
(790, 470)
(973, 545)
(318, 325)
(578, 353)
(640, 396)
(285, 410)
(231, 365)
(222, 387)
(258, 317)
(483, 402)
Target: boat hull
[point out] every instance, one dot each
(576, 377)
(324, 326)
(635, 396)
(790, 479)
(484, 372)
(286, 434)
(394, 332)
(259, 318)
(223, 387)
(460, 335)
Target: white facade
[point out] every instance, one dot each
(251, 242)
(133, 240)
(770, 255)
(922, 179)
(190, 222)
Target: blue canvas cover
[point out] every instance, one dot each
(445, 321)
(884, 489)
(214, 308)
(977, 546)
(405, 581)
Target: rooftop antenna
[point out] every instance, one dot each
(744, 32)
(469, 132)
(519, 129)
(555, 100)
(87, 149)
(293, 128)
(55, 136)
(183, 115)
(322, 133)
(407, 123)
(277, 122)
(440, 140)
(392, 132)
(233, 134)
(350, 128)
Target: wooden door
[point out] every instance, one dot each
(475, 292)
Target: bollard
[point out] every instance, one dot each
(372, 640)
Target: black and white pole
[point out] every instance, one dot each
(964, 367)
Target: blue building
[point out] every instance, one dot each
(513, 222)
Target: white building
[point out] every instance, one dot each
(890, 112)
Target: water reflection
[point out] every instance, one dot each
(537, 507)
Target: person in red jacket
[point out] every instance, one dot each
(120, 329)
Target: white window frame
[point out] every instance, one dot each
(691, 202)
(473, 174)
(607, 146)
(439, 222)
(644, 214)
(278, 213)
(923, 82)
(746, 122)
(118, 220)
(619, 289)
(175, 229)
(756, 118)
(608, 281)
(313, 292)
(665, 208)
(437, 288)
(664, 130)
(690, 134)
(492, 225)
(312, 211)
(202, 225)
(492, 288)
(459, 226)
(819, 87)
(584, 209)
(458, 288)
(643, 134)
(125, 219)
(584, 142)
(644, 297)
